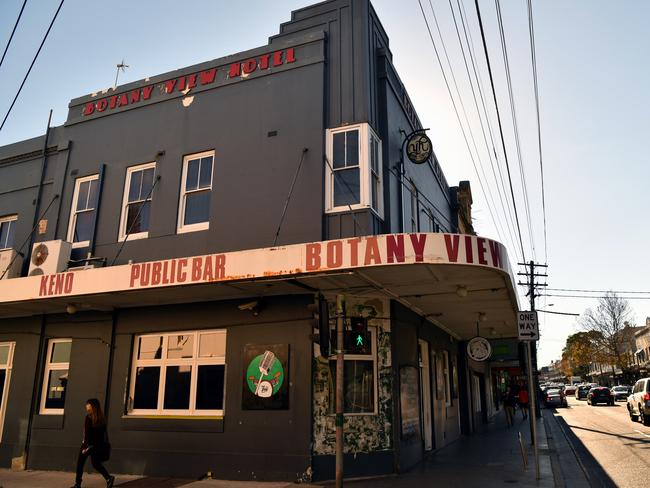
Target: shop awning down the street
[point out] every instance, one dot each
(449, 279)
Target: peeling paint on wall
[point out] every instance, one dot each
(362, 433)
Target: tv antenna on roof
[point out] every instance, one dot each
(122, 67)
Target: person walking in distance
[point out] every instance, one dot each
(523, 402)
(509, 402)
(95, 444)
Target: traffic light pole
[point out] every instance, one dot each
(340, 312)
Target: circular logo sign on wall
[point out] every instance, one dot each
(479, 349)
(265, 380)
(418, 148)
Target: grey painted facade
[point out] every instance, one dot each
(258, 126)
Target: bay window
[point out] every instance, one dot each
(354, 169)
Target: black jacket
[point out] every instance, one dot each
(94, 435)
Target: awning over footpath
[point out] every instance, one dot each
(448, 278)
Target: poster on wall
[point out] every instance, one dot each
(440, 377)
(266, 377)
(409, 402)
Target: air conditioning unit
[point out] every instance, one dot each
(10, 264)
(49, 257)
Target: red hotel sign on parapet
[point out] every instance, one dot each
(293, 260)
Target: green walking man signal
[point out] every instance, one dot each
(359, 340)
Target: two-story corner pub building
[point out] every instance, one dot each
(163, 249)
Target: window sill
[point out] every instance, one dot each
(132, 237)
(193, 228)
(172, 423)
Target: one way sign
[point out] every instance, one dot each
(527, 324)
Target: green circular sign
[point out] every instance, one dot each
(264, 384)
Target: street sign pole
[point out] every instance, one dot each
(340, 305)
(533, 402)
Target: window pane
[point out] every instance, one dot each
(147, 183)
(192, 178)
(147, 381)
(56, 385)
(205, 176)
(150, 347)
(209, 387)
(82, 198)
(134, 186)
(7, 234)
(180, 346)
(346, 187)
(374, 154)
(10, 234)
(352, 148)
(3, 376)
(339, 150)
(4, 354)
(212, 345)
(375, 192)
(177, 388)
(197, 207)
(137, 217)
(84, 226)
(61, 352)
(359, 389)
(92, 198)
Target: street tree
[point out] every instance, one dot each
(609, 325)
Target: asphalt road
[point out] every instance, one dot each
(607, 441)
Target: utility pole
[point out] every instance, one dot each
(530, 351)
(340, 312)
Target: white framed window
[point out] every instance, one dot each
(6, 360)
(178, 373)
(7, 231)
(196, 188)
(136, 202)
(354, 172)
(82, 213)
(429, 223)
(55, 376)
(360, 378)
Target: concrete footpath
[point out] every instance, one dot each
(490, 458)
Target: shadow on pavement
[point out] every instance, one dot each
(640, 441)
(155, 483)
(592, 468)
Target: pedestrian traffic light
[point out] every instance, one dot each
(358, 337)
(320, 311)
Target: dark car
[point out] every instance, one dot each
(638, 402)
(582, 391)
(600, 394)
(555, 397)
(621, 392)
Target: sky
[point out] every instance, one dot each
(593, 74)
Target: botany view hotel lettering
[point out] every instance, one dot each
(151, 258)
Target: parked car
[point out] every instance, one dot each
(582, 391)
(600, 394)
(621, 392)
(638, 402)
(570, 390)
(555, 397)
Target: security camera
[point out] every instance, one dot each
(253, 306)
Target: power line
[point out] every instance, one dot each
(598, 291)
(515, 125)
(558, 313)
(533, 56)
(503, 143)
(31, 65)
(462, 128)
(12, 32)
(478, 112)
(592, 297)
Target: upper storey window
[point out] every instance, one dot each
(194, 208)
(354, 175)
(136, 205)
(7, 231)
(82, 214)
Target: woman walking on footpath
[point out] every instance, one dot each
(523, 402)
(95, 443)
(509, 403)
